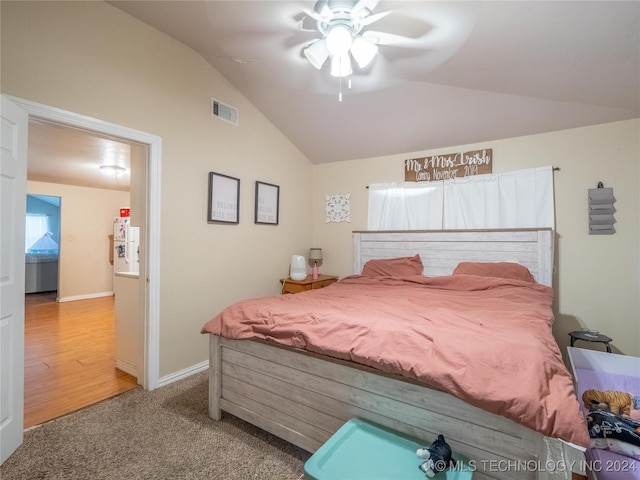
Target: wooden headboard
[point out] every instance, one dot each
(442, 250)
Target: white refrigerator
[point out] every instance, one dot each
(126, 240)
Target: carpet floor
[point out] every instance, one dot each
(162, 434)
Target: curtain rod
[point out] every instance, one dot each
(555, 169)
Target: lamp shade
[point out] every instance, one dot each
(315, 256)
(317, 53)
(339, 40)
(363, 51)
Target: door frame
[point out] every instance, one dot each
(149, 372)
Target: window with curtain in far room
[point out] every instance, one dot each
(36, 227)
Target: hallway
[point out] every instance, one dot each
(69, 357)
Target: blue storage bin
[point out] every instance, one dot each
(361, 450)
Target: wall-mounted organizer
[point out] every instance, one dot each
(601, 211)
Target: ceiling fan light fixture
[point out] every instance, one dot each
(317, 53)
(363, 51)
(341, 65)
(339, 40)
(340, 22)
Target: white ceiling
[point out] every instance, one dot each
(467, 72)
(472, 72)
(63, 154)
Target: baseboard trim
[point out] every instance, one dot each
(187, 372)
(73, 298)
(126, 367)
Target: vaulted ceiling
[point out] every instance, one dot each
(464, 72)
(455, 72)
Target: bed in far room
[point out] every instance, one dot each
(437, 332)
(41, 265)
(41, 272)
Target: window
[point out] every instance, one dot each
(37, 226)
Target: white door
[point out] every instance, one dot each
(13, 200)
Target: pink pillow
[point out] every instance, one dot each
(510, 270)
(393, 267)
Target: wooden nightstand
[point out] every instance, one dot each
(297, 286)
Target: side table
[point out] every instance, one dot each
(590, 336)
(309, 283)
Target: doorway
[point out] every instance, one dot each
(149, 241)
(70, 346)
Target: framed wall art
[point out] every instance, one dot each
(224, 199)
(267, 203)
(338, 208)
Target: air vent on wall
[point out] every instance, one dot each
(224, 112)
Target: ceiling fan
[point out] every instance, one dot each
(410, 39)
(341, 24)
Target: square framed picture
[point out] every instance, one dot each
(224, 199)
(267, 203)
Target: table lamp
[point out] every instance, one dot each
(315, 260)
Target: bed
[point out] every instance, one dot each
(41, 272)
(304, 396)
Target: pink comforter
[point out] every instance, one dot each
(484, 340)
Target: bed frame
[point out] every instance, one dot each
(304, 397)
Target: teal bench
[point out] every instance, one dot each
(361, 450)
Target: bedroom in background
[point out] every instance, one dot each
(42, 248)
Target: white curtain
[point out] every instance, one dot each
(518, 199)
(471, 202)
(407, 206)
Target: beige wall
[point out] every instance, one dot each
(597, 280)
(86, 221)
(91, 58)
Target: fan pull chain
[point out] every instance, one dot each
(348, 87)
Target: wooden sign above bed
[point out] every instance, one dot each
(449, 166)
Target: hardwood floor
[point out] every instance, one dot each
(69, 357)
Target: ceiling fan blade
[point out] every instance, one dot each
(321, 11)
(384, 38)
(374, 18)
(313, 14)
(362, 7)
(309, 24)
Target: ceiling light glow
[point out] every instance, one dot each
(340, 24)
(339, 40)
(113, 171)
